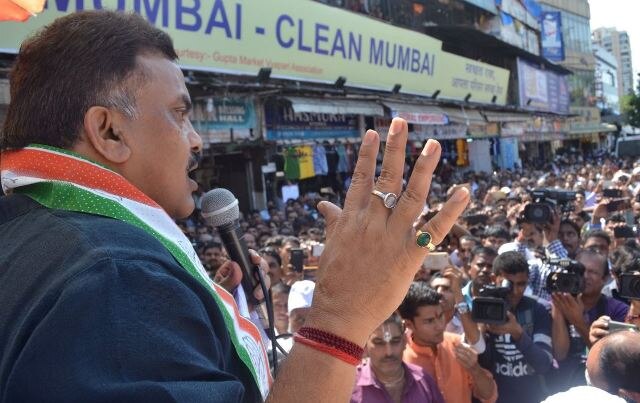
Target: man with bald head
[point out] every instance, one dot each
(613, 365)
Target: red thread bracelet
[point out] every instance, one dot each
(331, 344)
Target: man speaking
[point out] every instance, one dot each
(101, 296)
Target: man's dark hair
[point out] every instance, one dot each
(497, 231)
(483, 250)
(419, 294)
(211, 245)
(280, 288)
(572, 224)
(620, 361)
(624, 258)
(598, 233)
(595, 254)
(511, 262)
(396, 320)
(79, 61)
(273, 252)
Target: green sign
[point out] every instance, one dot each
(298, 39)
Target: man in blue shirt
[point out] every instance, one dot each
(519, 351)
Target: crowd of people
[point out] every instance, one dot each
(437, 347)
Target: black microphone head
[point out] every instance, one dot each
(220, 207)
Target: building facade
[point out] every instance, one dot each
(617, 42)
(607, 84)
(579, 56)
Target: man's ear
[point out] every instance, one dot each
(102, 130)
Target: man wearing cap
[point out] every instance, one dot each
(298, 307)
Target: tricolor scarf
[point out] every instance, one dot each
(60, 179)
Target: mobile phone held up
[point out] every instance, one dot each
(296, 259)
(619, 326)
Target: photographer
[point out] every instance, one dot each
(457, 312)
(539, 270)
(518, 351)
(572, 316)
(629, 277)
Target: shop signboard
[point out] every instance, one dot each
(551, 36)
(284, 124)
(217, 118)
(447, 132)
(542, 90)
(302, 40)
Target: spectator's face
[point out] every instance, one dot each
(494, 242)
(598, 244)
(250, 240)
(569, 238)
(481, 269)
(428, 325)
(443, 287)
(594, 278)
(579, 202)
(464, 252)
(385, 347)
(275, 271)
(532, 235)
(519, 283)
(213, 257)
(280, 302)
(297, 318)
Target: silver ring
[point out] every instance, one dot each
(389, 199)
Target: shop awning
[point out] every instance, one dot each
(506, 117)
(335, 106)
(418, 114)
(464, 116)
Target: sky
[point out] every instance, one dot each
(624, 15)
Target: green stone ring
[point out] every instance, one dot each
(423, 240)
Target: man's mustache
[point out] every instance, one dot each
(194, 161)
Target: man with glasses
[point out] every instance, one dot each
(574, 314)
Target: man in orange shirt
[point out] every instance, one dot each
(444, 356)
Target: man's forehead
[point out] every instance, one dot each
(440, 281)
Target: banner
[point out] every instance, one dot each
(301, 40)
(551, 36)
(542, 90)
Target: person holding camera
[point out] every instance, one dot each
(457, 312)
(574, 314)
(519, 350)
(629, 279)
(443, 355)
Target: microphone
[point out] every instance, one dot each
(220, 210)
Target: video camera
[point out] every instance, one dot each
(630, 285)
(566, 276)
(491, 306)
(544, 202)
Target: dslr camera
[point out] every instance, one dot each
(630, 285)
(491, 306)
(566, 276)
(544, 202)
